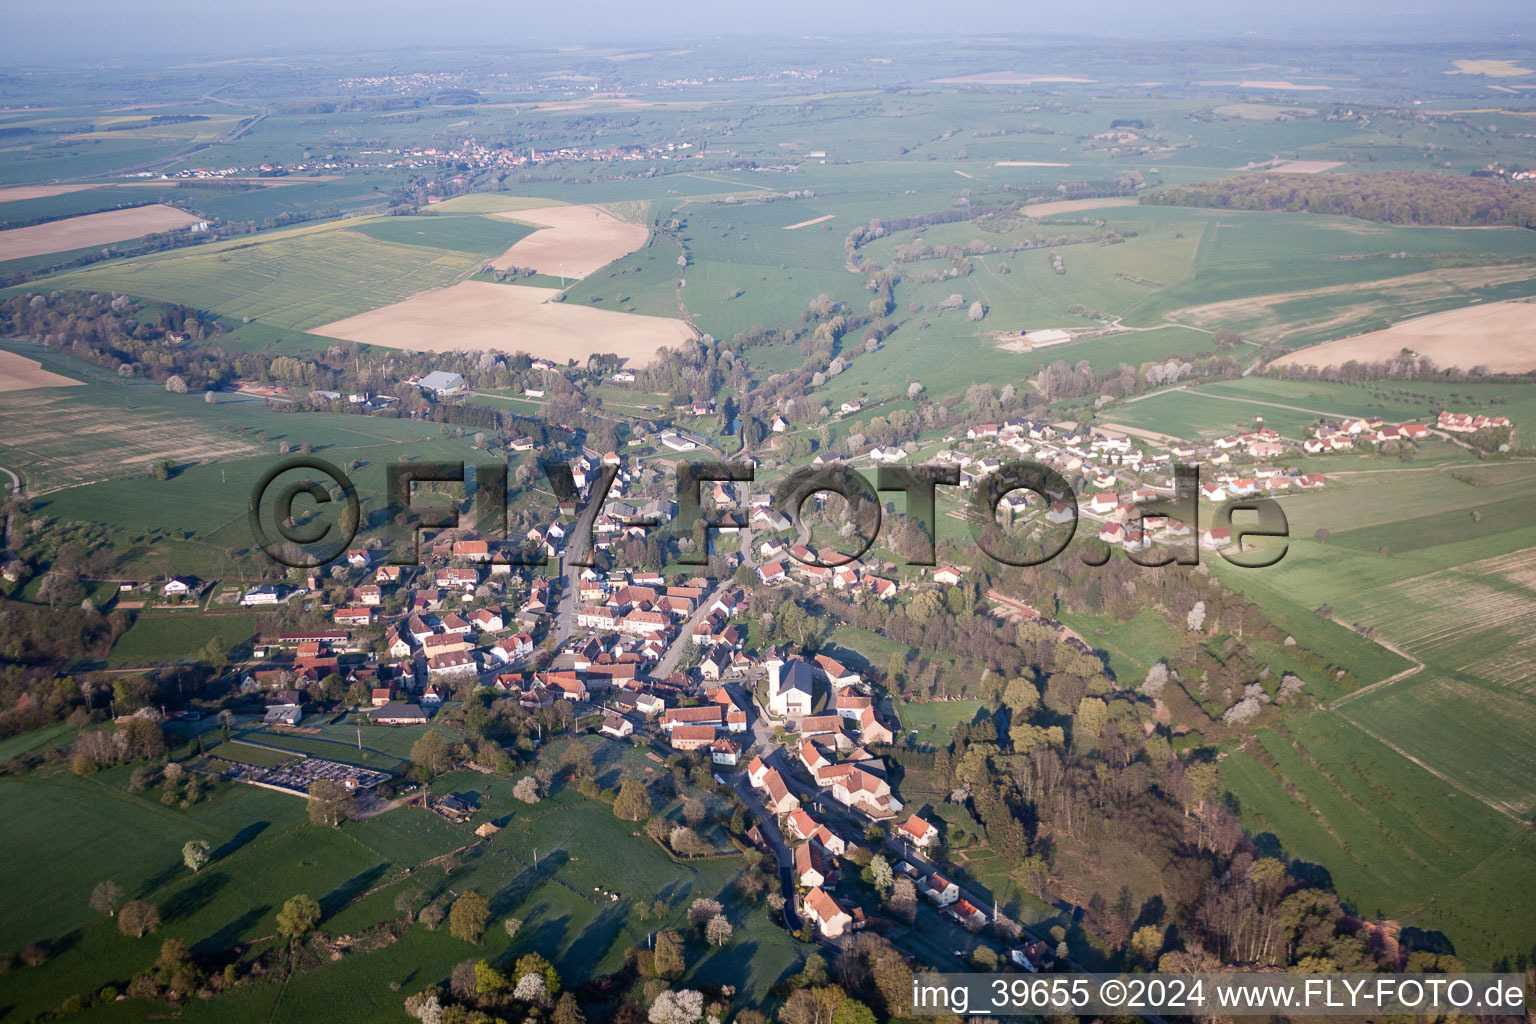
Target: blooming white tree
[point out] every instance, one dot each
(531, 989)
(682, 1006)
(718, 931)
(1157, 678)
(1196, 617)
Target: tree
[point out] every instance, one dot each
(176, 384)
(633, 802)
(527, 790)
(531, 989)
(903, 901)
(431, 755)
(298, 917)
(512, 926)
(687, 842)
(1147, 943)
(106, 898)
(679, 1006)
(488, 979)
(703, 910)
(215, 654)
(977, 310)
(718, 931)
(694, 811)
(1033, 873)
(568, 1011)
(329, 802)
(138, 919)
(880, 876)
(195, 854)
(669, 960)
(812, 1005)
(533, 963)
(468, 917)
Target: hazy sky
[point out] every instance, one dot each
(45, 30)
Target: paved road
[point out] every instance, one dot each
(570, 572)
(775, 839)
(684, 639)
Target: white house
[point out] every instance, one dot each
(789, 687)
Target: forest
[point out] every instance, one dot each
(1391, 197)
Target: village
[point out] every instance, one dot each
(663, 662)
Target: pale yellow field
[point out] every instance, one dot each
(574, 242)
(1261, 111)
(91, 229)
(1491, 68)
(1009, 78)
(479, 315)
(1276, 85)
(1307, 166)
(18, 373)
(1499, 335)
(808, 223)
(11, 195)
(1073, 206)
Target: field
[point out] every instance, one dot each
(91, 229)
(1395, 840)
(18, 373)
(164, 638)
(478, 315)
(1500, 336)
(20, 192)
(476, 235)
(245, 753)
(61, 436)
(296, 279)
(573, 241)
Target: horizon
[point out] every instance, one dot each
(44, 36)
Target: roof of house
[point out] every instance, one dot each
(917, 828)
(824, 907)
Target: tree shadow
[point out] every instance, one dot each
(229, 936)
(353, 887)
(595, 940)
(526, 881)
(726, 965)
(166, 876)
(1427, 940)
(61, 943)
(193, 897)
(544, 938)
(240, 838)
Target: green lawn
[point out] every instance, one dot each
(169, 637)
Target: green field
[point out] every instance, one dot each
(245, 753)
(472, 234)
(1397, 841)
(168, 637)
(299, 279)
